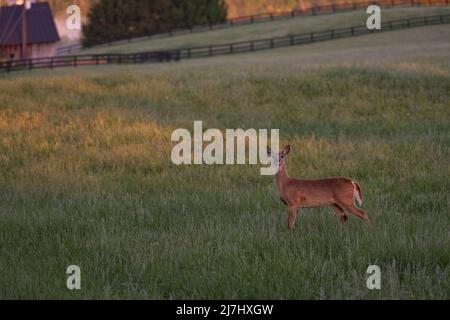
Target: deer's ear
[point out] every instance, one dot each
(286, 150)
(269, 151)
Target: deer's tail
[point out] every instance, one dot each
(357, 192)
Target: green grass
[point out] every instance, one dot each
(268, 29)
(86, 176)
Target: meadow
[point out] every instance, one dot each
(263, 30)
(86, 176)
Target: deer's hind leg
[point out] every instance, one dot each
(350, 206)
(292, 216)
(340, 212)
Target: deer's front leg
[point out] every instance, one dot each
(292, 217)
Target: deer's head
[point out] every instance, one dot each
(278, 158)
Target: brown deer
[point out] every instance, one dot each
(338, 192)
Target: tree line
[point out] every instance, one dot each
(110, 20)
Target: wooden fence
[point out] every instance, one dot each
(221, 49)
(310, 37)
(263, 17)
(84, 60)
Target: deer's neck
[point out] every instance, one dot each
(281, 176)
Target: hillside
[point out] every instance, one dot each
(266, 30)
(236, 8)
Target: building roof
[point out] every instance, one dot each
(40, 24)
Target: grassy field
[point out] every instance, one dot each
(268, 29)
(86, 176)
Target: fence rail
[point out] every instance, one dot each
(85, 60)
(221, 49)
(305, 38)
(262, 17)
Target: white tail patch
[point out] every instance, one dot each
(356, 193)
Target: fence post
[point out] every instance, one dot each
(252, 45)
(271, 43)
(210, 51)
(74, 61)
(293, 13)
(271, 16)
(352, 30)
(312, 36)
(292, 40)
(251, 19)
(231, 48)
(189, 52)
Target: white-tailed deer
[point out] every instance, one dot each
(337, 192)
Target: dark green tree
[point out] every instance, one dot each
(110, 20)
(186, 14)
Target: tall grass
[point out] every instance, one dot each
(86, 179)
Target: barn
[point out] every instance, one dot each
(41, 36)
